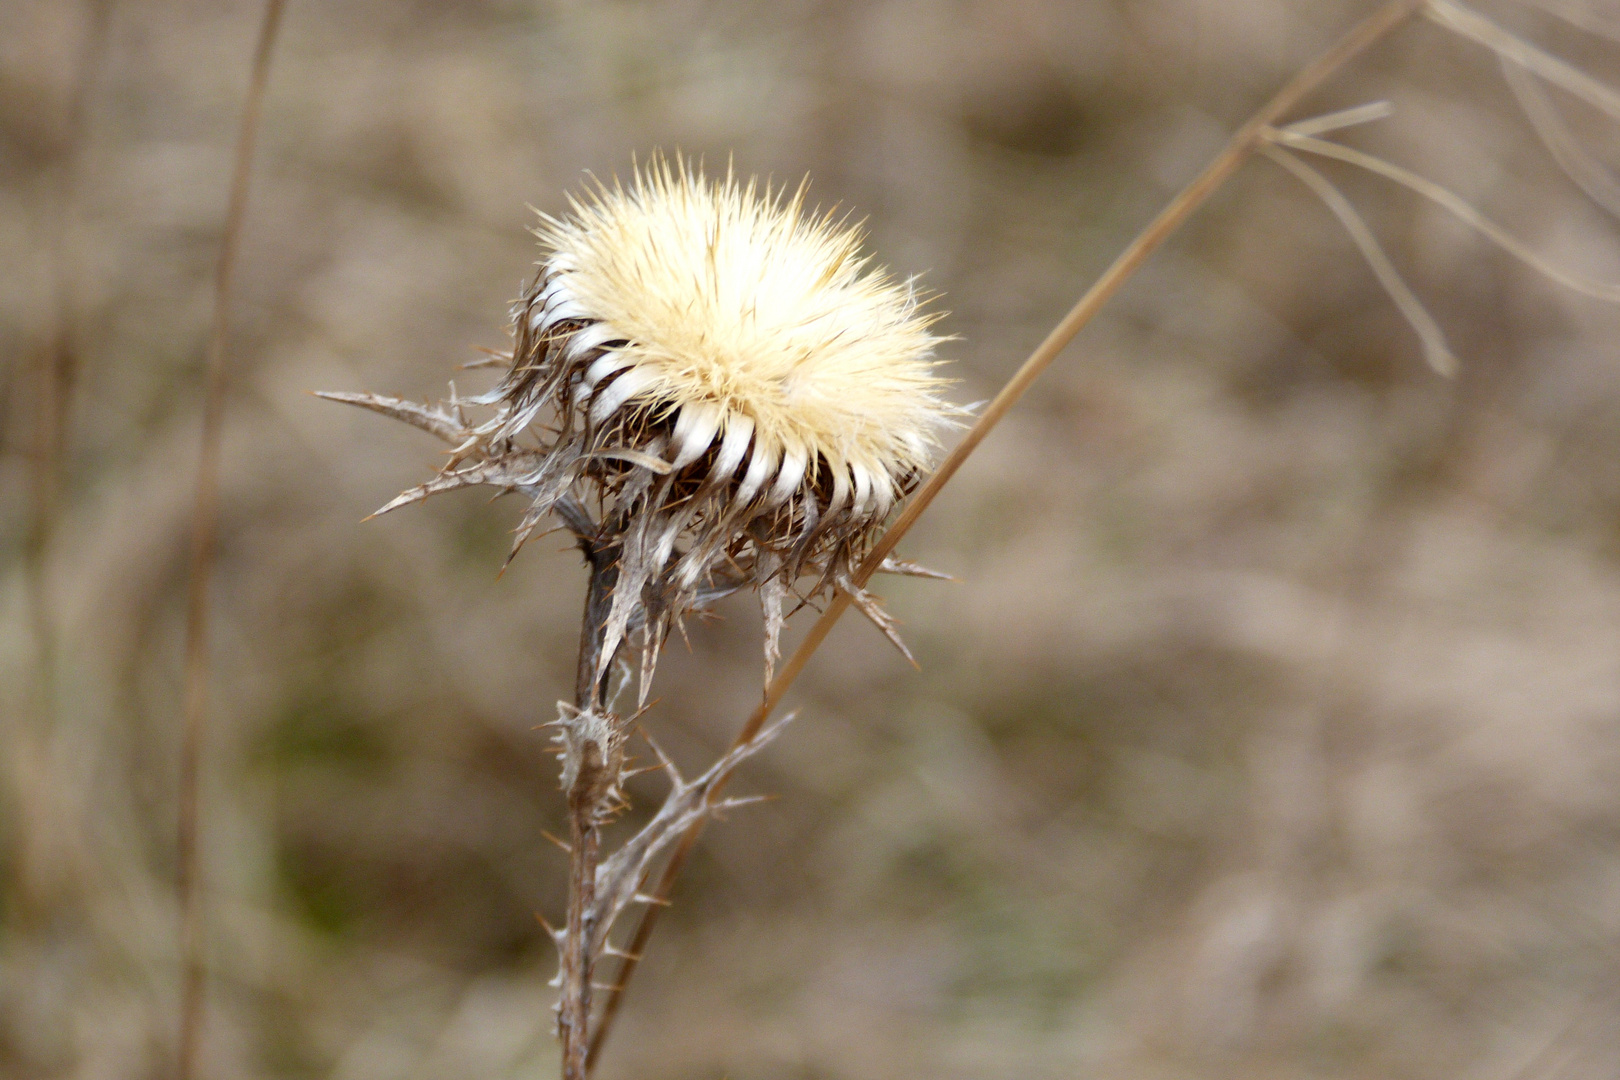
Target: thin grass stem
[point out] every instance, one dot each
(1468, 23)
(1459, 207)
(1344, 118)
(1435, 349)
(204, 540)
(1589, 174)
(1236, 152)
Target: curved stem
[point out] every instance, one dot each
(1237, 151)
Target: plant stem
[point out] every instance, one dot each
(1237, 151)
(204, 530)
(574, 1011)
(602, 556)
(584, 816)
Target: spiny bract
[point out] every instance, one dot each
(716, 381)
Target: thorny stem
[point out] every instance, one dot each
(1237, 151)
(573, 1017)
(204, 529)
(576, 961)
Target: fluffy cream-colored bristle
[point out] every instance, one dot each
(735, 307)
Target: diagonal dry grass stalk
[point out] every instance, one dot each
(1247, 141)
(204, 537)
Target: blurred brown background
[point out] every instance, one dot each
(1273, 730)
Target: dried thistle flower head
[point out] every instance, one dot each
(716, 381)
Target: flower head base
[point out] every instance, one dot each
(715, 381)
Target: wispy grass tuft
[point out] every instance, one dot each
(1522, 65)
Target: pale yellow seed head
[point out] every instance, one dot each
(731, 299)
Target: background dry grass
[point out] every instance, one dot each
(1273, 731)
